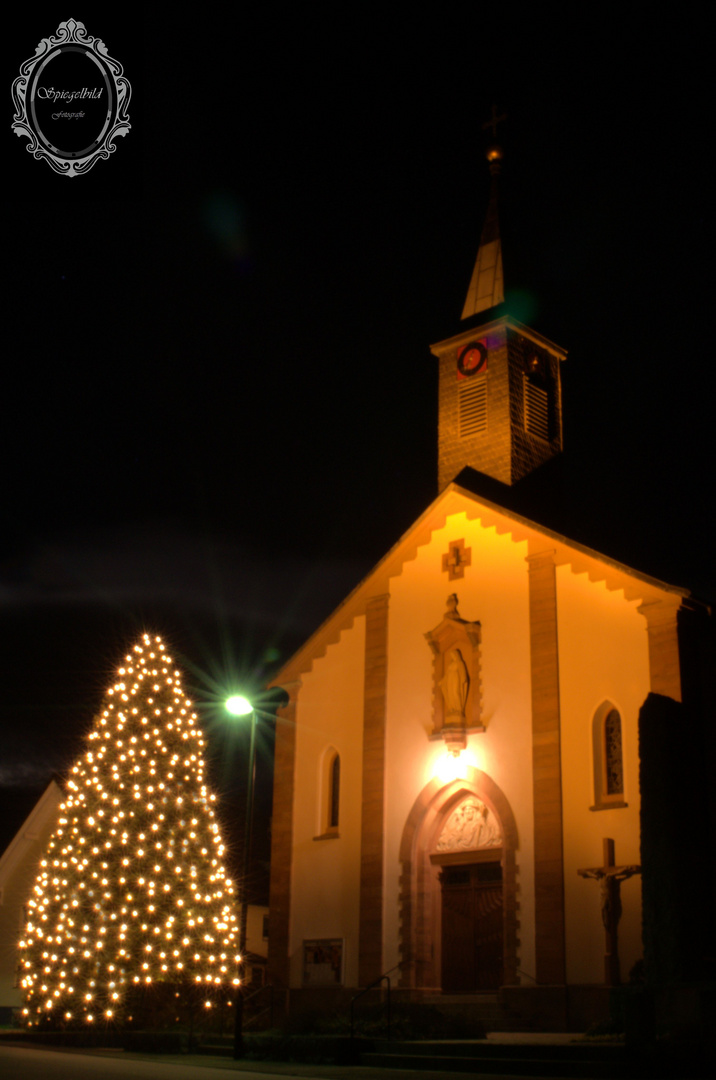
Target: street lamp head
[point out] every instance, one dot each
(238, 705)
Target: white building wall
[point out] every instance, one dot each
(19, 866)
(603, 654)
(326, 872)
(494, 592)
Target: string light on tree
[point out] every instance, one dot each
(132, 890)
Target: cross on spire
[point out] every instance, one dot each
(494, 121)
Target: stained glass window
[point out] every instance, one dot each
(614, 772)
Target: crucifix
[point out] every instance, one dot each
(609, 877)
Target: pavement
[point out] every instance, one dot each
(195, 1064)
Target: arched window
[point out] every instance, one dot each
(613, 764)
(334, 792)
(608, 758)
(329, 794)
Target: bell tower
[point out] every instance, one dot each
(500, 398)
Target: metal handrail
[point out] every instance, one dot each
(259, 990)
(268, 1009)
(371, 986)
(252, 1020)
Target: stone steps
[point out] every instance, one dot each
(601, 1062)
(521, 1056)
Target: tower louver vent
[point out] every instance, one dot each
(472, 406)
(536, 410)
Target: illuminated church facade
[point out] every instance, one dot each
(457, 793)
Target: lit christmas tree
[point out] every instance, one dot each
(132, 890)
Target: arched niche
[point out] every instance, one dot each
(419, 892)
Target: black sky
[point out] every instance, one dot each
(219, 405)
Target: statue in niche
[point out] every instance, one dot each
(471, 826)
(456, 689)
(455, 685)
(452, 612)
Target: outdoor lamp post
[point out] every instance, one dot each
(241, 706)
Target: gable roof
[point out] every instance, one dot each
(39, 817)
(456, 499)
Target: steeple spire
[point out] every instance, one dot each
(487, 284)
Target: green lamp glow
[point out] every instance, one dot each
(238, 705)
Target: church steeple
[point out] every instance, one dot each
(500, 400)
(487, 284)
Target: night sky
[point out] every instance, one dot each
(219, 406)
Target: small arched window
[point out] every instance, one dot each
(613, 763)
(608, 758)
(334, 792)
(329, 789)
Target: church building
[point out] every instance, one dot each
(18, 871)
(456, 789)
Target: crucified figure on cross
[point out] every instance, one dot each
(610, 877)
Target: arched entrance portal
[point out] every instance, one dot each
(458, 897)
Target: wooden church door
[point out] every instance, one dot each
(472, 949)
